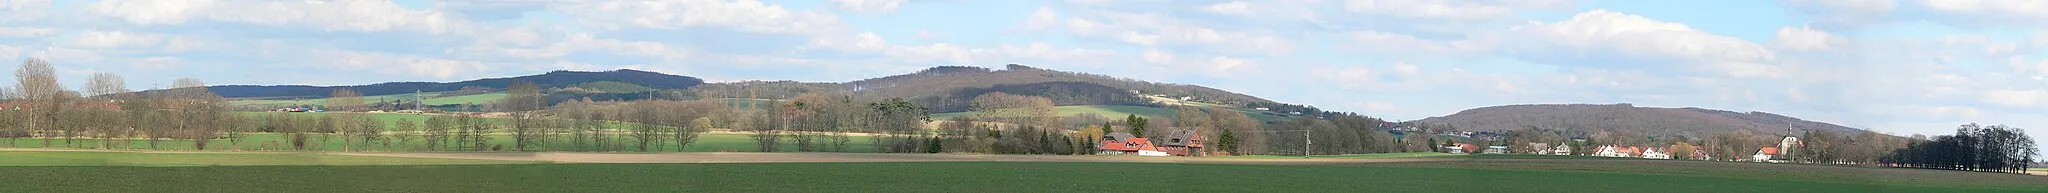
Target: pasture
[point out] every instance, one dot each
(707, 142)
(1111, 112)
(1476, 174)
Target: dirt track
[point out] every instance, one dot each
(734, 157)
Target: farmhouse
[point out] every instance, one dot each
(1562, 149)
(1126, 144)
(1655, 153)
(1497, 149)
(1184, 143)
(1539, 148)
(1765, 154)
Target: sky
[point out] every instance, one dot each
(1901, 67)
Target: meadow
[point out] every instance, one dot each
(707, 142)
(1478, 174)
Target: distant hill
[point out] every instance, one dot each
(952, 88)
(1618, 117)
(619, 80)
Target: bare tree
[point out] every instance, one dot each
(523, 100)
(404, 131)
(36, 83)
(100, 91)
(201, 114)
(341, 102)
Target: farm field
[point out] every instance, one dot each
(1111, 112)
(1355, 156)
(1523, 175)
(431, 99)
(66, 158)
(708, 142)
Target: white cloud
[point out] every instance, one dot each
(1804, 38)
(116, 39)
(26, 31)
(1378, 107)
(1844, 13)
(1229, 8)
(158, 63)
(869, 6)
(1406, 69)
(398, 65)
(1605, 39)
(577, 42)
(743, 15)
(1158, 57)
(2032, 11)
(1043, 18)
(2017, 98)
(345, 15)
(1448, 9)
(1155, 30)
(1404, 44)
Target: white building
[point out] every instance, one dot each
(1653, 153)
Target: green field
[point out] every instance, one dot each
(1111, 112)
(1481, 174)
(30, 158)
(709, 142)
(1356, 156)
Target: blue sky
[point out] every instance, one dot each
(1901, 67)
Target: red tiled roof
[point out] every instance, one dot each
(1131, 144)
(1770, 150)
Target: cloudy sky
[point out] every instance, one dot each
(1901, 67)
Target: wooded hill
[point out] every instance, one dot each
(1690, 122)
(617, 79)
(952, 88)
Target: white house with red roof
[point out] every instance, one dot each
(1126, 144)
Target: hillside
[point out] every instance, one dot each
(556, 79)
(1626, 117)
(951, 88)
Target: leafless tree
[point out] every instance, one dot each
(36, 83)
(524, 101)
(101, 90)
(404, 131)
(341, 103)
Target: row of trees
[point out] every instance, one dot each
(1973, 147)
(38, 106)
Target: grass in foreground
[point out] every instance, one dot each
(28, 158)
(910, 177)
(1356, 156)
(708, 142)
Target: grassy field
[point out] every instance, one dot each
(432, 98)
(709, 142)
(32, 158)
(1482, 174)
(320, 101)
(1110, 111)
(1354, 156)
(485, 98)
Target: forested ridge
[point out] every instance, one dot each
(554, 79)
(1691, 122)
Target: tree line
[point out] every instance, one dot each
(1995, 148)
(39, 107)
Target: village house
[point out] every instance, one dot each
(1766, 154)
(1539, 148)
(1126, 144)
(1496, 149)
(1562, 149)
(1184, 143)
(1655, 153)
